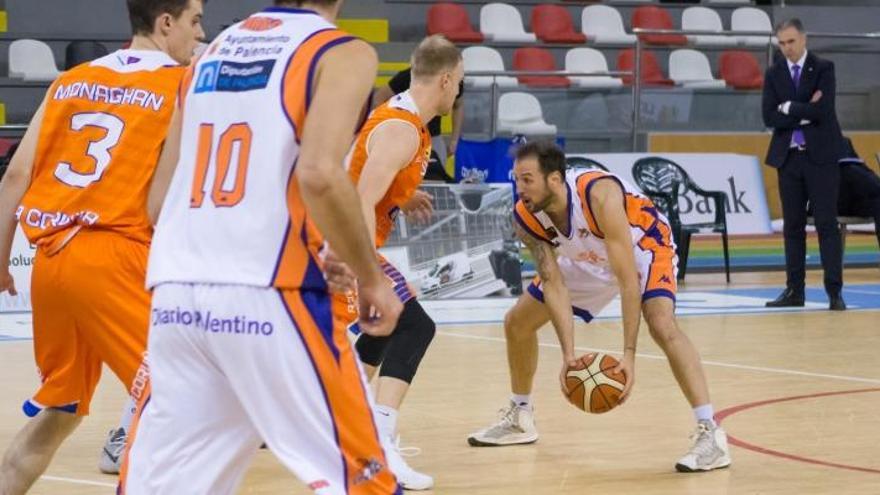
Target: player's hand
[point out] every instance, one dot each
(338, 275)
(7, 283)
(451, 147)
(379, 308)
(567, 364)
(627, 366)
(419, 208)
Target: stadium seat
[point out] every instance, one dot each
(603, 25)
(664, 181)
(32, 60)
(691, 69)
(483, 58)
(583, 163)
(538, 59)
(703, 19)
(589, 60)
(652, 17)
(652, 75)
(591, 114)
(521, 113)
(553, 24)
(451, 20)
(502, 22)
(79, 52)
(740, 69)
(751, 19)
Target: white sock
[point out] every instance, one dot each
(522, 400)
(127, 414)
(386, 421)
(705, 413)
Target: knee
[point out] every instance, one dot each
(663, 329)
(514, 329)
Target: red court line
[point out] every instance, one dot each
(730, 411)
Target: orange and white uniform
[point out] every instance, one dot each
(400, 108)
(86, 210)
(242, 343)
(582, 254)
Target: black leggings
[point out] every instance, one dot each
(400, 353)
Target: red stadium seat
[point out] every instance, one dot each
(553, 24)
(452, 21)
(538, 59)
(651, 17)
(652, 75)
(740, 69)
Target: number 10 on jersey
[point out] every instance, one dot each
(235, 137)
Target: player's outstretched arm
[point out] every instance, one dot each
(165, 168)
(607, 200)
(556, 297)
(342, 84)
(15, 183)
(391, 147)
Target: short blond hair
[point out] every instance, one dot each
(434, 55)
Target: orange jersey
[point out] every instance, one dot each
(101, 135)
(399, 108)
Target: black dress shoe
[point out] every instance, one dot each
(836, 303)
(788, 299)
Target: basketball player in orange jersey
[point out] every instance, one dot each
(78, 186)
(242, 332)
(390, 157)
(590, 233)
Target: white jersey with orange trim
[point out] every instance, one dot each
(233, 213)
(583, 244)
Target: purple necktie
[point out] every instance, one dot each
(798, 135)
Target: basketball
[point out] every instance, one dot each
(592, 386)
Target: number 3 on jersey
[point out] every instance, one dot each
(98, 150)
(226, 192)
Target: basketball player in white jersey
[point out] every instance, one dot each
(242, 346)
(593, 236)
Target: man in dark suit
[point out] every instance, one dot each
(859, 188)
(798, 103)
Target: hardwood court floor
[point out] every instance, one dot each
(631, 450)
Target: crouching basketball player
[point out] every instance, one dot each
(593, 236)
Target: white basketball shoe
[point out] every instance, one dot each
(517, 426)
(111, 455)
(710, 450)
(407, 477)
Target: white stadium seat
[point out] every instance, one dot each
(483, 58)
(704, 19)
(32, 60)
(751, 19)
(589, 60)
(503, 22)
(691, 69)
(521, 113)
(603, 25)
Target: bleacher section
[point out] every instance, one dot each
(720, 93)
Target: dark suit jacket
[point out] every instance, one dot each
(822, 134)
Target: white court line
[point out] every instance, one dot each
(78, 481)
(707, 363)
(869, 292)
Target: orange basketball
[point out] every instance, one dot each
(592, 385)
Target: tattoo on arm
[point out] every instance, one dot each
(541, 251)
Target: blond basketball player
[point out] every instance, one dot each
(388, 162)
(593, 236)
(242, 344)
(78, 187)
